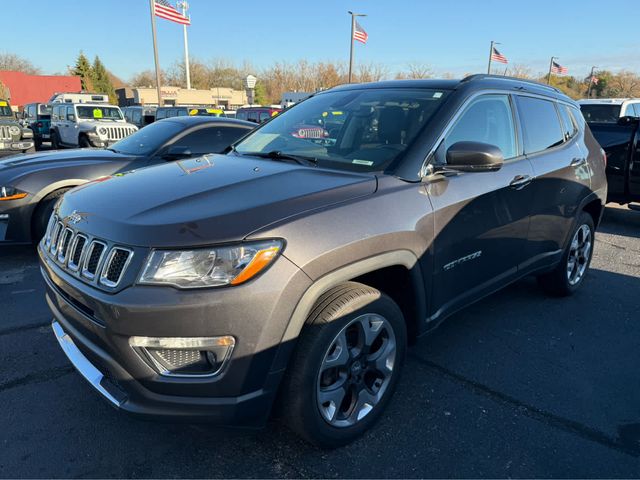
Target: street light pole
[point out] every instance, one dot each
(353, 30)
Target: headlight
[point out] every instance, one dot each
(209, 267)
(14, 130)
(102, 131)
(10, 193)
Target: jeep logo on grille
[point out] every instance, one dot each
(75, 217)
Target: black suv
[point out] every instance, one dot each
(294, 270)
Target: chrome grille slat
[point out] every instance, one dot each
(57, 231)
(115, 266)
(77, 251)
(93, 259)
(4, 133)
(52, 221)
(63, 245)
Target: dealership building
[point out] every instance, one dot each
(227, 98)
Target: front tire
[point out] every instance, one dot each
(55, 141)
(346, 365)
(84, 142)
(567, 277)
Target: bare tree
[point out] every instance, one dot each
(520, 71)
(11, 61)
(146, 78)
(416, 71)
(624, 84)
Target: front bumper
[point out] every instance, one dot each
(13, 148)
(255, 314)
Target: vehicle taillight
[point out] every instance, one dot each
(39, 124)
(604, 156)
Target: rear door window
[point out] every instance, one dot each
(488, 119)
(540, 124)
(568, 123)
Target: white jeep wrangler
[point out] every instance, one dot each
(87, 125)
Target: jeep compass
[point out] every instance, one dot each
(289, 275)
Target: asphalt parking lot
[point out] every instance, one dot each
(518, 385)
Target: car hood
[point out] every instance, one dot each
(210, 199)
(57, 158)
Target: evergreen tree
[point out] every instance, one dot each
(102, 81)
(83, 70)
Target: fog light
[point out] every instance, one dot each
(184, 356)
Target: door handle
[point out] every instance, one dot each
(578, 162)
(520, 181)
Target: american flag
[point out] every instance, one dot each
(359, 34)
(496, 56)
(163, 9)
(558, 69)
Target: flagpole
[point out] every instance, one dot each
(353, 29)
(550, 68)
(187, 71)
(155, 50)
(590, 82)
(490, 57)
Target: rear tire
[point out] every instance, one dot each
(38, 144)
(43, 212)
(345, 367)
(569, 274)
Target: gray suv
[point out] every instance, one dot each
(290, 274)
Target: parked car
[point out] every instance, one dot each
(37, 117)
(14, 137)
(292, 272)
(140, 116)
(31, 184)
(621, 142)
(609, 110)
(257, 114)
(87, 125)
(185, 111)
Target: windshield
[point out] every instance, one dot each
(148, 139)
(362, 130)
(44, 109)
(5, 109)
(99, 113)
(601, 113)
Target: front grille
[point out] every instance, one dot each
(90, 259)
(311, 133)
(118, 133)
(4, 133)
(114, 266)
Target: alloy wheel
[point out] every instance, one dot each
(356, 370)
(579, 254)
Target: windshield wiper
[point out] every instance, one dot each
(281, 156)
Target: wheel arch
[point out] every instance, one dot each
(399, 264)
(49, 189)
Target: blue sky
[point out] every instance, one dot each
(451, 36)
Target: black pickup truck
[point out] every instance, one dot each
(621, 142)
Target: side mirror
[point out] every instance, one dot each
(474, 157)
(623, 121)
(175, 152)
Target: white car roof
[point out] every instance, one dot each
(605, 101)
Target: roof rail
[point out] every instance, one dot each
(482, 76)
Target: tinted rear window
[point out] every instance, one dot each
(540, 124)
(601, 113)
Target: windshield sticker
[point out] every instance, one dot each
(368, 163)
(437, 95)
(193, 112)
(214, 111)
(97, 113)
(3, 104)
